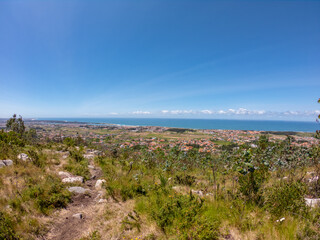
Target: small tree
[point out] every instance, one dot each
(16, 124)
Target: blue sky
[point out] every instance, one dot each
(192, 59)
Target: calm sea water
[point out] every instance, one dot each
(203, 123)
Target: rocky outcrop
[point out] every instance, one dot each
(5, 163)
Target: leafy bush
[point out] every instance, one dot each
(130, 190)
(185, 179)
(181, 215)
(7, 227)
(251, 183)
(95, 235)
(48, 195)
(78, 165)
(38, 160)
(286, 197)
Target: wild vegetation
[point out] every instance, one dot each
(240, 192)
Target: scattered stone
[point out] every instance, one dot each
(89, 156)
(5, 163)
(64, 174)
(102, 201)
(78, 215)
(313, 179)
(23, 157)
(90, 166)
(198, 192)
(99, 184)
(72, 179)
(79, 190)
(280, 220)
(312, 202)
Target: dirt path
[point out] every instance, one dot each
(64, 225)
(105, 217)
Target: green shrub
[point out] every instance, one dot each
(48, 195)
(286, 197)
(251, 183)
(7, 231)
(184, 179)
(181, 215)
(95, 235)
(78, 165)
(79, 168)
(38, 160)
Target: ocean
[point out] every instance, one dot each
(259, 125)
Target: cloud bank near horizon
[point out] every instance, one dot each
(222, 112)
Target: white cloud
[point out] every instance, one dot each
(175, 112)
(222, 112)
(141, 112)
(206, 111)
(242, 111)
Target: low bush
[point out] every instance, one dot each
(184, 179)
(48, 195)
(286, 197)
(7, 227)
(78, 165)
(181, 215)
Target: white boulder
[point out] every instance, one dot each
(99, 184)
(64, 174)
(79, 190)
(72, 179)
(23, 157)
(5, 163)
(78, 215)
(312, 202)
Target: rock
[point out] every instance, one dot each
(72, 179)
(90, 166)
(313, 179)
(176, 188)
(102, 201)
(198, 192)
(99, 183)
(64, 174)
(281, 220)
(89, 156)
(78, 215)
(23, 157)
(79, 190)
(312, 202)
(5, 163)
